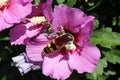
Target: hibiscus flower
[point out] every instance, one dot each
(39, 18)
(80, 55)
(13, 11)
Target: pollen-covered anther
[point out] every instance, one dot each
(70, 46)
(38, 20)
(4, 3)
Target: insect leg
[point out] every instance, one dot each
(62, 31)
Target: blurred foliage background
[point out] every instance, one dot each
(106, 37)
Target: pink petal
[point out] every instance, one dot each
(26, 1)
(34, 49)
(69, 18)
(43, 9)
(85, 31)
(21, 1)
(3, 24)
(87, 26)
(21, 32)
(36, 11)
(91, 53)
(86, 60)
(47, 9)
(17, 11)
(56, 67)
(17, 34)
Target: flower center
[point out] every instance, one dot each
(4, 4)
(38, 20)
(70, 46)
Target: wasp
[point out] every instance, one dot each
(62, 40)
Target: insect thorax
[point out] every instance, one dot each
(58, 43)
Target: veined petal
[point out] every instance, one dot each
(47, 9)
(21, 1)
(34, 49)
(56, 67)
(27, 1)
(69, 18)
(86, 60)
(85, 31)
(3, 24)
(16, 12)
(87, 27)
(91, 53)
(21, 32)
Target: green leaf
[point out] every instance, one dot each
(0, 59)
(112, 56)
(105, 37)
(91, 4)
(94, 5)
(8, 49)
(4, 78)
(89, 76)
(37, 2)
(109, 72)
(114, 22)
(101, 77)
(99, 70)
(70, 3)
(119, 21)
(100, 67)
(60, 1)
(96, 24)
(4, 39)
(119, 78)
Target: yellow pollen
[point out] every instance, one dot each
(38, 20)
(3, 2)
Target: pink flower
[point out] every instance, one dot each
(39, 19)
(13, 11)
(60, 64)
